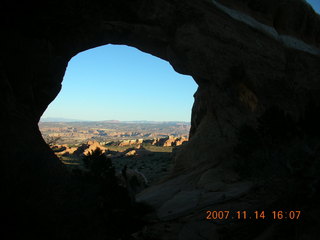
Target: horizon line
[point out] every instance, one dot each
(58, 119)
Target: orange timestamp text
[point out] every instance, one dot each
(254, 215)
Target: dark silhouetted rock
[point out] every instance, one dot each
(253, 124)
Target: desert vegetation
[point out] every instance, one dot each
(114, 205)
(155, 162)
(144, 146)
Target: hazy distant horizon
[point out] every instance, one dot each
(59, 119)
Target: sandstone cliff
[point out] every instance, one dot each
(254, 135)
(169, 141)
(163, 142)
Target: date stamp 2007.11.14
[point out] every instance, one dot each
(253, 215)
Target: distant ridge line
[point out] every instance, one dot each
(52, 119)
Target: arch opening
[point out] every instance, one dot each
(130, 104)
(40, 45)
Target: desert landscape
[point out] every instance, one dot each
(254, 137)
(144, 146)
(112, 130)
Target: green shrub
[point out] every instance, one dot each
(113, 202)
(98, 164)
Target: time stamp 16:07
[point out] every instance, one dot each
(254, 215)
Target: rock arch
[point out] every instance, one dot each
(256, 64)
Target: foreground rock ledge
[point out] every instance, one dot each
(254, 135)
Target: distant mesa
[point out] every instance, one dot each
(52, 119)
(111, 121)
(57, 119)
(136, 149)
(169, 141)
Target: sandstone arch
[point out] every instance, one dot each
(253, 61)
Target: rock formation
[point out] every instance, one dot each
(136, 151)
(163, 142)
(254, 135)
(88, 147)
(63, 149)
(130, 142)
(133, 180)
(169, 141)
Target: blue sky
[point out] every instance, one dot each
(315, 4)
(117, 82)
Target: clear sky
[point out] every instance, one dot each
(315, 4)
(117, 82)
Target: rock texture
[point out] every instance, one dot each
(63, 150)
(169, 141)
(83, 149)
(257, 66)
(89, 147)
(130, 142)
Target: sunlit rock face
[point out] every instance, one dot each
(253, 121)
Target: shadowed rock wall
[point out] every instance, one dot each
(258, 90)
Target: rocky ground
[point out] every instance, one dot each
(255, 106)
(151, 160)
